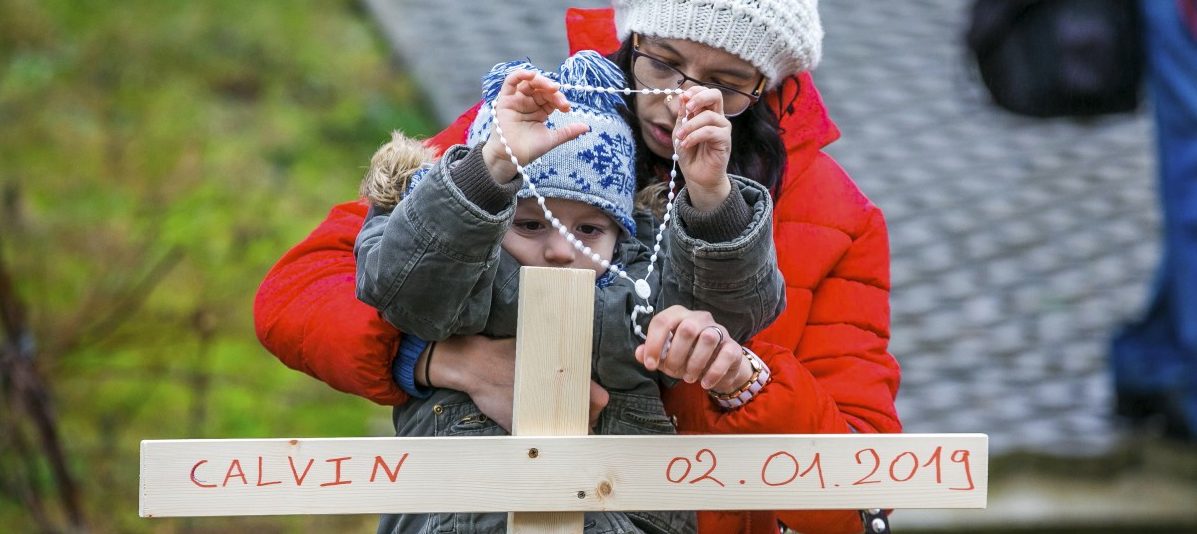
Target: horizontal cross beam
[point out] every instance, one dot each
(558, 473)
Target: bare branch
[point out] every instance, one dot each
(27, 390)
(127, 304)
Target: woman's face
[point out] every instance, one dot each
(656, 116)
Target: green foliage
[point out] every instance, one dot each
(157, 158)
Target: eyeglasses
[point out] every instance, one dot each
(654, 73)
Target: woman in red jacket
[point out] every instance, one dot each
(831, 370)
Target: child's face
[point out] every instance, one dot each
(533, 241)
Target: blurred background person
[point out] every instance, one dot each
(1154, 360)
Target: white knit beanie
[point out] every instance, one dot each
(779, 37)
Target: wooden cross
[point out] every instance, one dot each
(550, 471)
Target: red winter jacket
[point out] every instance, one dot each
(831, 370)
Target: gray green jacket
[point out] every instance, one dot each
(434, 266)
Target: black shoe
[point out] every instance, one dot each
(1180, 423)
(1167, 410)
(1139, 407)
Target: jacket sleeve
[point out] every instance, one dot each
(839, 378)
(306, 313)
(737, 280)
(841, 373)
(429, 266)
(845, 347)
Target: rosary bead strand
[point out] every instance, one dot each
(643, 290)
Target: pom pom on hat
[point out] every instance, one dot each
(492, 82)
(597, 168)
(587, 67)
(779, 37)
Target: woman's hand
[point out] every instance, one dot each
(705, 147)
(524, 104)
(689, 345)
(484, 368)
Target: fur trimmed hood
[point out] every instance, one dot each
(391, 169)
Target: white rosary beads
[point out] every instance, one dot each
(643, 290)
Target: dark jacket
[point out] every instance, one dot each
(434, 268)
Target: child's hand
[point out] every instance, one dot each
(705, 148)
(524, 104)
(689, 345)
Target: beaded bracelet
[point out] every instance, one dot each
(760, 377)
(428, 365)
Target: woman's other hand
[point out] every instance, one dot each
(689, 345)
(705, 146)
(523, 106)
(484, 368)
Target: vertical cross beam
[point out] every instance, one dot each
(552, 371)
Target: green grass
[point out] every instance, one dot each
(216, 134)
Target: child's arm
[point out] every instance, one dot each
(721, 252)
(723, 261)
(429, 265)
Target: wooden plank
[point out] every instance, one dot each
(552, 352)
(564, 474)
(552, 371)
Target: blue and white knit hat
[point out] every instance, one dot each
(598, 167)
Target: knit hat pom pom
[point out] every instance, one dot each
(596, 168)
(589, 68)
(492, 83)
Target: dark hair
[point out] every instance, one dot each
(757, 150)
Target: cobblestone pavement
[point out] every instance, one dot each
(1018, 244)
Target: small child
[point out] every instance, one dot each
(444, 260)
